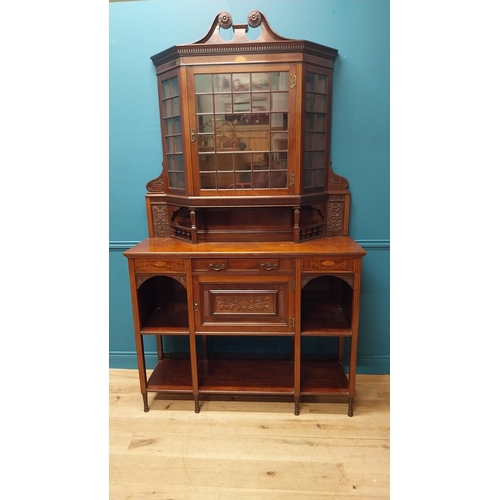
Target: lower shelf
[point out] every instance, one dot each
(322, 377)
(222, 376)
(249, 376)
(171, 375)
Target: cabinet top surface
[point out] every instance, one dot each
(339, 245)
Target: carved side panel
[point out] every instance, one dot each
(335, 218)
(161, 225)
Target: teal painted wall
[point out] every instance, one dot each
(359, 29)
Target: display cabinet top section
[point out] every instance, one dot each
(328, 246)
(268, 42)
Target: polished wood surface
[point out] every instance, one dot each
(245, 138)
(245, 450)
(169, 247)
(247, 289)
(248, 223)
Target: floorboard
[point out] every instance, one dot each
(243, 450)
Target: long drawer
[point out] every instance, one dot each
(223, 265)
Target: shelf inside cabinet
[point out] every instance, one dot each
(324, 319)
(171, 319)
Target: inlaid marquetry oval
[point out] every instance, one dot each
(328, 265)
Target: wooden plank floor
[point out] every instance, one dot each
(242, 450)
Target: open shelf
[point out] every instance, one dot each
(171, 375)
(170, 319)
(324, 319)
(224, 376)
(163, 307)
(322, 377)
(326, 307)
(249, 376)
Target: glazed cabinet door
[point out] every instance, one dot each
(244, 305)
(242, 126)
(317, 111)
(172, 98)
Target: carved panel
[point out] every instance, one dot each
(139, 280)
(306, 279)
(161, 226)
(335, 218)
(180, 278)
(156, 185)
(244, 303)
(348, 279)
(336, 181)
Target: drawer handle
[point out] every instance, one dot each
(217, 266)
(268, 266)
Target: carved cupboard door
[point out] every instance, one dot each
(249, 304)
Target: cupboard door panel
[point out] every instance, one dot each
(242, 305)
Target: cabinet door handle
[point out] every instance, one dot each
(192, 135)
(196, 306)
(217, 266)
(269, 266)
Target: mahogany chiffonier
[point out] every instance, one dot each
(248, 224)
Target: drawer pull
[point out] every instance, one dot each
(269, 266)
(217, 266)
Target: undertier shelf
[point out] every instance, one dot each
(171, 375)
(220, 376)
(322, 377)
(249, 376)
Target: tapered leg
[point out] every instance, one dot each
(349, 409)
(194, 369)
(204, 340)
(297, 407)
(145, 399)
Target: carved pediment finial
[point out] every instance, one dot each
(254, 18)
(224, 20)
